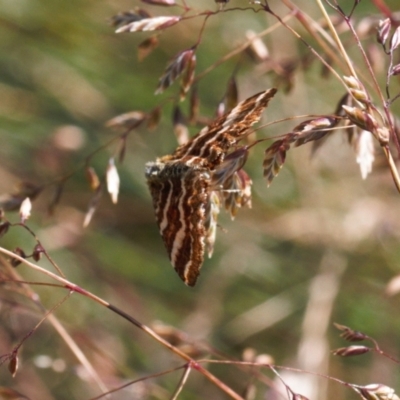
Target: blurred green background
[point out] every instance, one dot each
(319, 246)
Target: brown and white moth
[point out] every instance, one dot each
(188, 185)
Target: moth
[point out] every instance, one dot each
(188, 186)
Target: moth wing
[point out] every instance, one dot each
(180, 198)
(214, 141)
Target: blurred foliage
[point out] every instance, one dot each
(319, 246)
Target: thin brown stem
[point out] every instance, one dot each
(136, 381)
(392, 167)
(336, 38)
(182, 382)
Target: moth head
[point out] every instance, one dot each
(153, 169)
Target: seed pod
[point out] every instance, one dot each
(113, 181)
(257, 49)
(376, 391)
(188, 77)
(25, 209)
(383, 30)
(149, 24)
(93, 204)
(395, 70)
(361, 118)
(352, 82)
(18, 251)
(179, 125)
(395, 40)
(37, 252)
(154, 118)
(92, 177)
(351, 351)
(160, 2)
(350, 334)
(4, 226)
(364, 149)
(184, 59)
(356, 88)
(274, 159)
(13, 365)
(129, 120)
(147, 46)
(313, 129)
(127, 17)
(383, 135)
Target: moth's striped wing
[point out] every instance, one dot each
(184, 200)
(213, 141)
(180, 197)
